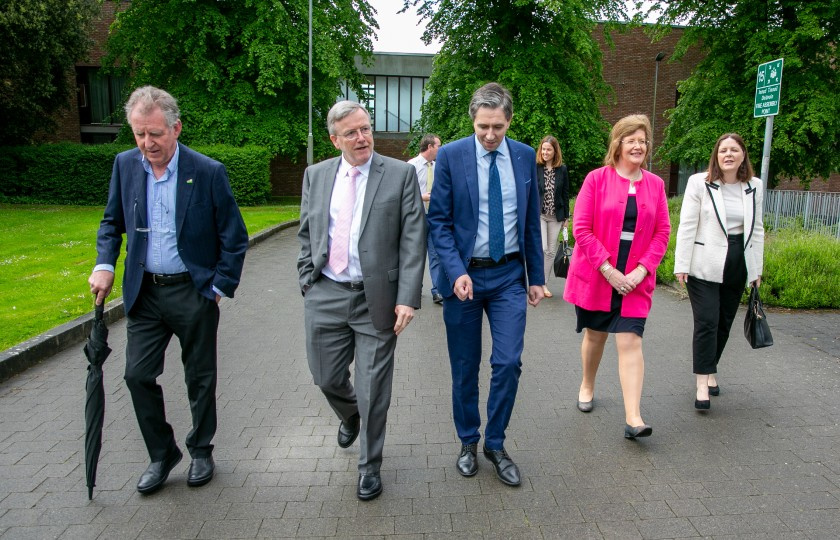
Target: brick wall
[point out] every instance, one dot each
(630, 69)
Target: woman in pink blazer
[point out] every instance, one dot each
(621, 229)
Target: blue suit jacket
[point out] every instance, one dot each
(453, 210)
(212, 238)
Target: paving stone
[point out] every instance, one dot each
(760, 464)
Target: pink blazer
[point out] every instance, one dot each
(597, 221)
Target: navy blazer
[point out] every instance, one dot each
(212, 238)
(453, 210)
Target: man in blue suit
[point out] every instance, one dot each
(186, 245)
(484, 222)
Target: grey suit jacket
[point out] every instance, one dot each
(392, 237)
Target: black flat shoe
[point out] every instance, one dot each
(467, 463)
(702, 404)
(201, 471)
(157, 472)
(714, 390)
(631, 432)
(506, 469)
(586, 406)
(370, 486)
(347, 433)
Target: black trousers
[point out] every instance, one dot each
(714, 306)
(160, 312)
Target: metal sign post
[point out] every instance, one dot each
(768, 90)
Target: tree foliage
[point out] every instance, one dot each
(239, 69)
(542, 51)
(40, 41)
(718, 97)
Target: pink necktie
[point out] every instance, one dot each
(340, 247)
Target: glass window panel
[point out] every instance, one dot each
(393, 104)
(100, 102)
(405, 104)
(381, 105)
(416, 98)
(117, 99)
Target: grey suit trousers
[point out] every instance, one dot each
(338, 327)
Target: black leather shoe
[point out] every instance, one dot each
(714, 390)
(370, 486)
(506, 469)
(347, 433)
(631, 432)
(157, 472)
(437, 298)
(201, 471)
(467, 463)
(586, 406)
(702, 404)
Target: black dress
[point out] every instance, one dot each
(612, 321)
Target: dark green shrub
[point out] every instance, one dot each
(248, 169)
(63, 173)
(78, 174)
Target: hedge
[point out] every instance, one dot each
(78, 174)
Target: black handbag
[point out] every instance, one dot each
(563, 256)
(756, 329)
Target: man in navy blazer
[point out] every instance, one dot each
(484, 222)
(186, 245)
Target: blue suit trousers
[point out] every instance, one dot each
(499, 292)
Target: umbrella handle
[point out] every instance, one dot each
(98, 311)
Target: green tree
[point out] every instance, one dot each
(542, 51)
(718, 97)
(239, 69)
(40, 41)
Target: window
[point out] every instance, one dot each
(393, 102)
(100, 104)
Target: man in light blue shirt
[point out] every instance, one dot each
(186, 247)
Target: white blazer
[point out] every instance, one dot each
(701, 237)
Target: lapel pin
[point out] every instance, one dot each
(189, 181)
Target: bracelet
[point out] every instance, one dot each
(604, 267)
(610, 275)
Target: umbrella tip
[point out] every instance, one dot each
(90, 493)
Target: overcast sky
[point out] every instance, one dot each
(400, 33)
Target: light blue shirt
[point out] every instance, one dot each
(505, 166)
(162, 246)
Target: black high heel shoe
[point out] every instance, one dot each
(714, 390)
(702, 404)
(631, 432)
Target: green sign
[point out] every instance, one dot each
(768, 88)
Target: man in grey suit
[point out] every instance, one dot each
(363, 245)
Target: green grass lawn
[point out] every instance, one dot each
(47, 254)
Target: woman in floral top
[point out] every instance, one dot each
(554, 199)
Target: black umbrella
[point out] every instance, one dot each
(96, 350)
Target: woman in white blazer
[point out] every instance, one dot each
(720, 246)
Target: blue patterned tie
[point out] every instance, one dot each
(494, 203)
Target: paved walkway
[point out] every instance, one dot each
(763, 463)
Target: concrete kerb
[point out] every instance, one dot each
(24, 355)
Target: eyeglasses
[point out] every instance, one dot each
(363, 131)
(634, 142)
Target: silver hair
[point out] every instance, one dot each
(342, 110)
(149, 97)
(493, 96)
